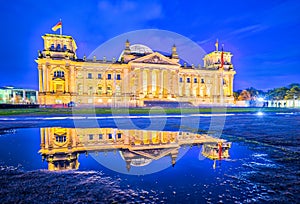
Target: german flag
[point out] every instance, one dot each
(57, 26)
(222, 58)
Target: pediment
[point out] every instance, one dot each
(155, 58)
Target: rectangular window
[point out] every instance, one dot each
(188, 80)
(119, 135)
(118, 76)
(89, 75)
(91, 137)
(99, 76)
(110, 136)
(100, 136)
(109, 76)
(195, 80)
(180, 80)
(202, 81)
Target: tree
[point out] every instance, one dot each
(277, 94)
(236, 95)
(292, 85)
(244, 96)
(253, 92)
(294, 92)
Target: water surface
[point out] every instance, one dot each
(262, 164)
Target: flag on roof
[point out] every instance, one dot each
(222, 58)
(57, 26)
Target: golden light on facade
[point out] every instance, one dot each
(139, 75)
(60, 147)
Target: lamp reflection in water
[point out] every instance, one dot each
(60, 147)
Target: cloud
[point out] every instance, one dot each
(247, 31)
(211, 39)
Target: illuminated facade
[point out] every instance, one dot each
(140, 75)
(60, 147)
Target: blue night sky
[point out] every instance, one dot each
(262, 35)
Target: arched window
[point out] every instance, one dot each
(59, 74)
(60, 138)
(58, 47)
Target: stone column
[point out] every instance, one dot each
(47, 135)
(71, 79)
(67, 82)
(150, 72)
(169, 84)
(42, 133)
(44, 78)
(48, 68)
(154, 83)
(184, 85)
(175, 83)
(159, 82)
(221, 89)
(125, 87)
(135, 82)
(216, 87)
(140, 86)
(231, 85)
(40, 78)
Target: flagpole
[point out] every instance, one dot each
(60, 28)
(222, 77)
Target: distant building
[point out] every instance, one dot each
(12, 95)
(139, 75)
(291, 103)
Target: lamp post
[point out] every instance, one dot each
(294, 100)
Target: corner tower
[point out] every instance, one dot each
(56, 69)
(219, 63)
(59, 46)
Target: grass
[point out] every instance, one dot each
(109, 111)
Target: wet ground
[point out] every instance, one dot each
(264, 163)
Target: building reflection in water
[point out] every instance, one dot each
(60, 147)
